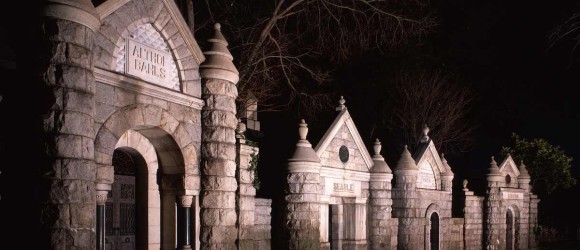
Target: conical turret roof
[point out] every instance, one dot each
(218, 63)
(406, 162)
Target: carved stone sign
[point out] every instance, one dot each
(426, 178)
(512, 196)
(341, 187)
(148, 63)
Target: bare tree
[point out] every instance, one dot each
(286, 50)
(434, 99)
(566, 35)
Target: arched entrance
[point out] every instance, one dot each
(434, 231)
(512, 228)
(126, 222)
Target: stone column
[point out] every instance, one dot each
(218, 191)
(302, 196)
(473, 219)
(101, 201)
(405, 203)
(184, 221)
(380, 202)
(68, 29)
(246, 192)
(494, 219)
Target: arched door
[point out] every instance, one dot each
(434, 232)
(122, 214)
(509, 230)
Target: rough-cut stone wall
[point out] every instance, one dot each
(262, 224)
(380, 207)
(494, 218)
(219, 184)
(67, 190)
(302, 210)
(455, 236)
(405, 208)
(245, 195)
(533, 222)
(439, 202)
(473, 215)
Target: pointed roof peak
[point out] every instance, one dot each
(218, 62)
(448, 171)
(523, 171)
(406, 162)
(493, 168)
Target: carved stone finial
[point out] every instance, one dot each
(465, 185)
(425, 137)
(302, 129)
(377, 147)
(341, 105)
(217, 26)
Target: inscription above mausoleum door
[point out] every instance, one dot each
(342, 187)
(426, 177)
(148, 63)
(512, 196)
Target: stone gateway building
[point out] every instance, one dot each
(133, 140)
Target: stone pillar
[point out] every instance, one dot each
(68, 29)
(473, 215)
(524, 226)
(101, 201)
(494, 219)
(247, 156)
(405, 203)
(380, 202)
(302, 196)
(184, 221)
(533, 222)
(218, 195)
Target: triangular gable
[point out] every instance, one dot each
(509, 167)
(149, 41)
(343, 132)
(430, 167)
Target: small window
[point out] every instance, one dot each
(508, 179)
(343, 153)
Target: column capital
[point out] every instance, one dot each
(79, 11)
(185, 200)
(102, 197)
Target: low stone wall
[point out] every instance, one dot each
(456, 233)
(262, 220)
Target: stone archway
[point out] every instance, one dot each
(512, 228)
(434, 231)
(164, 181)
(432, 228)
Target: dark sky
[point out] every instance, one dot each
(502, 49)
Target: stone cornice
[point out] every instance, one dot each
(135, 85)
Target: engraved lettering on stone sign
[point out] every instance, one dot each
(426, 178)
(512, 196)
(343, 187)
(148, 63)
